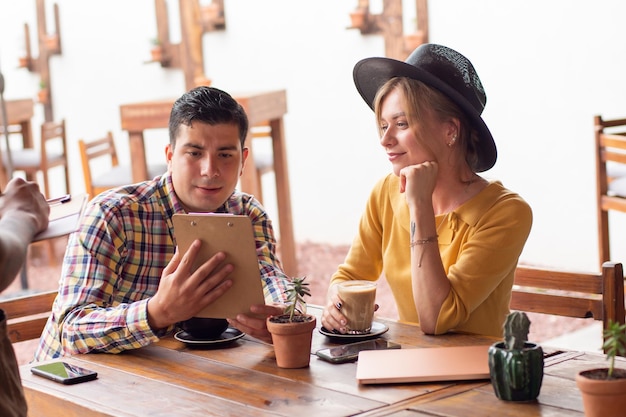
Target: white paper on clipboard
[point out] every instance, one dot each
(233, 235)
(64, 218)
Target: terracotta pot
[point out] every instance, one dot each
(606, 398)
(357, 18)
(210, 12)
(43, 96)
(292, 341)
(413, 40)
(516, 375)
(200, 80)
(52, 42)
(157, 54)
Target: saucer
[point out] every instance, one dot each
(377, 330)
(228, 336)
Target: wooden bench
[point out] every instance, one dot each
(572, 294)
(27, 315)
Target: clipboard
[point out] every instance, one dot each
(64, 218)
(233, 235)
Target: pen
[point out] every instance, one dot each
(55, 201)
(59, 200)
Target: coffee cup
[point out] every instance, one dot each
(204, 327)
(358, 300)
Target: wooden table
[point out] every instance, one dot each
(243, 380)
(262, 108)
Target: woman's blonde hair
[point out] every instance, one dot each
(420, 99)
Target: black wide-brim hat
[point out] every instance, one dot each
(443, 69)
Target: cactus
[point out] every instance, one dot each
(516, 330)
(516, 365)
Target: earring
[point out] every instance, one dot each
(452, 141)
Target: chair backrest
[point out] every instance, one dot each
(610, 153)
(52, 153)
(53, 131)
(95, 149)
(27, 315)
(572, 294)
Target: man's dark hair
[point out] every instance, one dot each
(207, 105)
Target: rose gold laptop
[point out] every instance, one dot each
(423, 364)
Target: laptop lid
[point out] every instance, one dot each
(423, 364)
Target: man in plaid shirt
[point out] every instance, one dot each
(123, 284)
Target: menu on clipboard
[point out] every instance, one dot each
(233, 235)
(65, 215)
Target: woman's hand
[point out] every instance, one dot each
(332, 319)
(418, 181)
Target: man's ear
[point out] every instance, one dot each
(244, 158)
(169, 153)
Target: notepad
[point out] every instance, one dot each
(233, 235)
(423, 365)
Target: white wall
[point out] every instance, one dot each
(547, 67)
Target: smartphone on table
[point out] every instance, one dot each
(64, 373)
(350, 352)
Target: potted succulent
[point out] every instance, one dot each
(157, 50)
(43, 95)
(516, 365)
(358, 18)
(292, 331)
(604, 389)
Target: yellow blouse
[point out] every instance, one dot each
(480, 243)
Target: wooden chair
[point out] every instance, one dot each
(52, 153)
(610, 141)
(27, 315)
(115, 174)
(6, 171)
(263, 161)
(572, 294)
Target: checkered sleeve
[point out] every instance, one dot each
(103, 293)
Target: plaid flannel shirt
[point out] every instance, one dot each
(113, 265)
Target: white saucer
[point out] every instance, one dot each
(228, 336)
(377, 330)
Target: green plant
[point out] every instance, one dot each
(155, 41)
(42, 85)
(516, 365)
(516, 329)
(614, 343)
(296, 291)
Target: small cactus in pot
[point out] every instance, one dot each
(516, 365)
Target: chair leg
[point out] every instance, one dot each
(46, 185)
(51, 253)
(259, 187)
(24, 277)
(67, 179)
(603, 236)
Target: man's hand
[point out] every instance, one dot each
(256, 326)
(181, 293)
